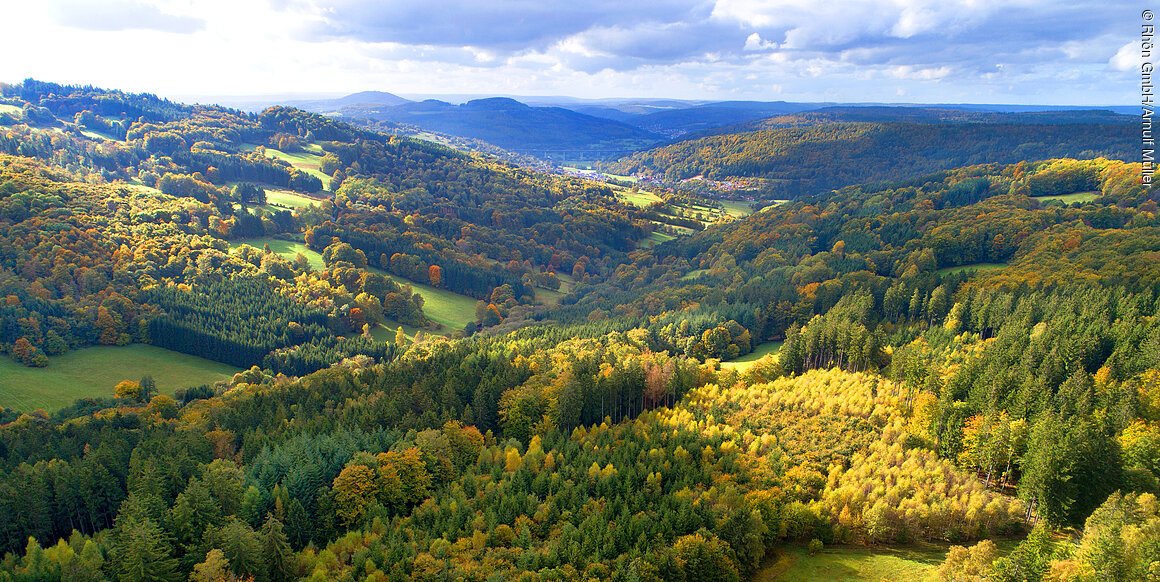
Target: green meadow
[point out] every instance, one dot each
(1080, 197)
(289, 199)
(745, 362)
(93, 372)
(852, 563)
(639, 198)
(286, 248)
(309, 161)
(737, 208)
(975, 267)
(452, 310)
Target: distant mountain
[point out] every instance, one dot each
(552, 132)
(678, 122)
(568, 128)
(370, 98)
(945, 114)
(948, 114)
(606, 112)
(999, 108)
(361, 99)
(685, 119)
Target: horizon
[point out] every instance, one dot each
(459, 98)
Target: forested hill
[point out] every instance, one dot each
(810, 153)
(514, 126)
(85, 187)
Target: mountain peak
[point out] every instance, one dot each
(496, 104)
(372, 98)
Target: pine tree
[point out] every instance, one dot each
(276, 550)
(141, 552)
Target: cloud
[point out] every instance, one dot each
(118, 15)
(924, 74)
(851, 50)
(754, 42)
(1127, 58)
(514, 25)
(633, 46)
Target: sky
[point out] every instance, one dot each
(1048, 52)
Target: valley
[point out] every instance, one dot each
(771, 341)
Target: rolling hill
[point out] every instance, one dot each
(548, 132)
(792, 155)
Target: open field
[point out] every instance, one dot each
(567, 283)
(385, 332)
(639, 198)
(6, 108)
(97, 135)
(656, 238)
(1080, 197)
(452, 310)
(92, 372)
(287, 249)
(622, 178)
(745, 362)
(289, 199)
(977, 267)
(308, 161)
(548, 297)
(138, 186)
(737, 208)
(772, 204)
(913, 564)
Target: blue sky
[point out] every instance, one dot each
(926, 51)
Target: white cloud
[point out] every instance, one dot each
(117, 15)
(754, 42)
(1128, 58)
(923, 74)
(851, 50)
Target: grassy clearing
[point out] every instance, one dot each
(772, 204)
(94, 371)
(289, 199)
(308, 161)
(913, 563)
(917, 563)
(6, 108)
(694, 274)
(622, 178)
(976, 267)
(1080, 197)
(656, 238)
(451, 310)
(567, 283)
(97, 135)
(737, 208)
(139, 187)
(548, 297)
(385, 332)
(287, 249)
(638, 198)
(745, 362)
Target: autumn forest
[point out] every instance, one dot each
(701, 361)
